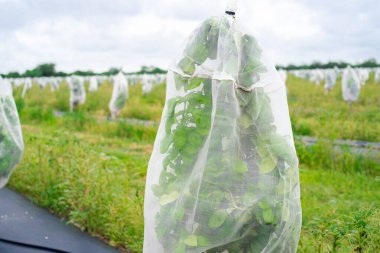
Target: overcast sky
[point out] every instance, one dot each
(98, 34)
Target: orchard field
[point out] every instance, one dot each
(91, 170)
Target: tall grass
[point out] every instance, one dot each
(314, 113)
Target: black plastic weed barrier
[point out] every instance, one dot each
(25, 228)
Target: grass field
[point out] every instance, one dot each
(312, 112)
(315, 114)
(93, 173)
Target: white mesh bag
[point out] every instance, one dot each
(6, 83)
(377, 75)
(119, 94)
(330, 81)
(11, 142)
(42, 82)
(17, 82)
(350, 85)
(54, 84)
(363, 76)
(93, 84)
(147, 84)
(283, 74)
(77, 92)
(223, 175)
(317, 76)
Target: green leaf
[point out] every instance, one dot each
(180, 138)
(198, 53)
(165, 144)
(245, 79)
(168, 124)
(280, 146)
(263, 204)
(191, 240)
(268, 216)
(217, 196)
(180, 213)
(171, 104)
(194, 83)
(187, 66)
(172, 187)
(245, 121)
(179, 81)
(249, 198)
(267, 162)
(168, 198)
(244, 98)
(267, 212)
(241, 167)
(157, 190)
(212, 42)
(202, 241)
(180, 248)
(217, 219)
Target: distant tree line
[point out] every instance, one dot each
(49, 70)
(149, 70)
(371, 63)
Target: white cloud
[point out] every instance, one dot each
(128, 42)
(77, 35)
